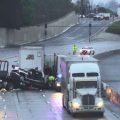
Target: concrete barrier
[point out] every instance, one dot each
(36, 33)
(3, 37)
(110, 92)
(112, 95)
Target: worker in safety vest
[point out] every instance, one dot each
(51, 78)
(74, 49)
(51, 81)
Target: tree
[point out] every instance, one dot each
(113, 5)
(28, 11)
(77, 7)
(48, 10)
(16, 13)
(102, 10)
(10, 13)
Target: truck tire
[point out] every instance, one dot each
(67, 108)
(73, 114)
(63, 101)
(101, 114)
(10, 86)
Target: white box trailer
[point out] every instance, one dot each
(81, 84)
(31, 57)
(106, 16)
(25, 57)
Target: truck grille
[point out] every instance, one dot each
(88, 99)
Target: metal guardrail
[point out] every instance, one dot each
(112, 95)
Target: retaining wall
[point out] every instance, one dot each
(36, 33)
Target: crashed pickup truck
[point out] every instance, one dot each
(24, 79)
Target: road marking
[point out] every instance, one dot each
(19, 114)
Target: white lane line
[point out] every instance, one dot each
(19, 113)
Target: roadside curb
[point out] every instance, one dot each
(55, 36)
(103, 29)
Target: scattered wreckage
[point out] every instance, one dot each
(20, 78)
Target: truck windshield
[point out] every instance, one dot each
(78, 75)
(86, 84)
(92, 74)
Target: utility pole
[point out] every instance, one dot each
(45, 25)
(84, 4)
(82, 7)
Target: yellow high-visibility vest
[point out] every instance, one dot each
(51, 78)
(74, 48)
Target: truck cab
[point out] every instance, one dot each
(82, 86)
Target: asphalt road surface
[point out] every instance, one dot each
(78, 33)
(110, 69)
(47, 105)
(40, 105)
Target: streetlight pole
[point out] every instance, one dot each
(45, 32)
(44, 19)
(82, 7)
(90, 31)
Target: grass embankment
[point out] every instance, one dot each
(114, 28)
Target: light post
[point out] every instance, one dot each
(44, 19)
(90, 25)
(82, 8)
(45, 32)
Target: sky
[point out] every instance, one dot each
(101, 1)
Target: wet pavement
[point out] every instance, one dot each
(40, 105)
(47, 105)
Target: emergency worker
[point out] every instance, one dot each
(39, 73)
(51, 78)
(74, 49)
(13, 67)
(51, 81)
(47, 70)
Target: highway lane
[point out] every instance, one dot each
(24, 105)
(77, 33)
(110, 67)
(40, 105)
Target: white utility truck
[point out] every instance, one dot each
(102, 16)
(25, 57)
(106, 16)
(81, 84)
